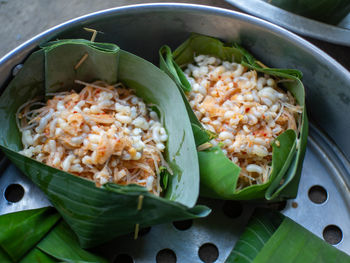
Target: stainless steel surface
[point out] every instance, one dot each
(142, 30)
(32, 198)
(339, 34)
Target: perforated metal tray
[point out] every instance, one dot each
(337, 34)
(322, 204)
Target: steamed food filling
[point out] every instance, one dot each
(103, 133)
(246, 110)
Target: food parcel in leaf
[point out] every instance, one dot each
(95, 127)
(249, 121)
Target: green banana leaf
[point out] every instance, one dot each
(62, 244)
(219, 175)
(328, 11)
(36, 255)
(40, 235)
(272, 237)
(20, 231)
(95, 214)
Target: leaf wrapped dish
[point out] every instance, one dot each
(98, 213)
(249, 121)
(272, 237)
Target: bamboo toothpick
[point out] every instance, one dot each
(136, 233)
(94, 34)
(93, 31)
(140, 202)
(81, 61)
(204, 146)
(139, 207)
(261, 64)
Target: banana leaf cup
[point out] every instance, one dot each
(40, 235)
(219, 175)
(273, 237)
(98, 214)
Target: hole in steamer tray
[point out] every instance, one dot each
(318, 194)
(166, 256)
(14, 193)
(332, 234)
(208, 253)
(183, 225)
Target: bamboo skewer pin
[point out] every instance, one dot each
(136, 233)
(93, 31)
(93, 37)
(139, 203)
(261, 64)
(139, 207)
(81, 61)
(204, 146)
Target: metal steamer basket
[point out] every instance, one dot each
(337, 34)
(323, 201)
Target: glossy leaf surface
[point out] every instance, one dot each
(20, 232)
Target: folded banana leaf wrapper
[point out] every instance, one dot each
(219, 175)
(328, 11)
(98, 214)
(40, 235)
(273, 237)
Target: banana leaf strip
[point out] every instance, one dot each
(98, 214)
(21, 231)
(4, 257)
(219, 175)
(328, 11)
(273, 237)
(40, 235)
(62, 244)
(36, 255)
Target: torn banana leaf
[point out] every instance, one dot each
(328, 11)
(273, 237)
(98, 214)
(40, 235)
(219, 176)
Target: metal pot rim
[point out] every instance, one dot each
(142, 8)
